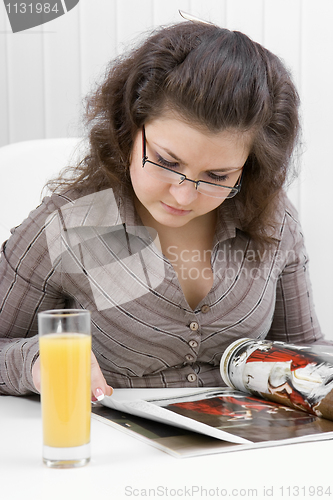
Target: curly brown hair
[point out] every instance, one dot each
(212, 77)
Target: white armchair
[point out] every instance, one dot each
(25, 167)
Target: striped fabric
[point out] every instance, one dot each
(92, 252)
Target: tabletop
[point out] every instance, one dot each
(124, 467)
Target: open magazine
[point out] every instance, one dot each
(187, 422)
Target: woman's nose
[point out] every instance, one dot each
(184, 193)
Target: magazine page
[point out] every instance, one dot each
(223, 413)
(148, 403)
(298, 376)
(253, 419)
(175, 441)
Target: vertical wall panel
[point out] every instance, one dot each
(62, 73)
(211, 10)
(4, 114)
(26, 85)
(133, 19)
(282, 35)
(246, 16)
(167, 12)
(316, 194)
(282, 32)
(97, 40)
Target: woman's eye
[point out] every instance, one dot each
(217, 178)
(165, 163)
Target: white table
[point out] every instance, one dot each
(124, 467)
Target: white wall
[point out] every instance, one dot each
(45, 72)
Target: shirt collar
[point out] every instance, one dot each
(228, 221)
(101, 210)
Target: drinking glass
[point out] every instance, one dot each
(65, 359)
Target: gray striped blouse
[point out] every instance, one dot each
(92, 252)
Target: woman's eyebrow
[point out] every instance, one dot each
(225, 169)
(173, 155)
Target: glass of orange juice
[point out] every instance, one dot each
(65, 358)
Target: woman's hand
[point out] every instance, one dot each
(99, 387)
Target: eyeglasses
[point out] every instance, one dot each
(170, 176)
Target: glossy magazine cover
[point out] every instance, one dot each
(297, 376)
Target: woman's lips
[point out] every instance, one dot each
(174, 211)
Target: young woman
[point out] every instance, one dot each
(174, 231)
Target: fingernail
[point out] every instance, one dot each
(99, 394)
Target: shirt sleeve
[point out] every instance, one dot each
(27, 286)
(294, 319)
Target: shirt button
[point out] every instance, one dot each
(191, 377)
(189, 357)
(205, 308)
(193, 343)
(194, 326)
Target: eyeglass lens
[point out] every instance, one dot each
(166, 175)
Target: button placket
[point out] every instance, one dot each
(189, 357)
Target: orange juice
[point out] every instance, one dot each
(65, 388)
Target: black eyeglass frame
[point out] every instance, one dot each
(233, 190)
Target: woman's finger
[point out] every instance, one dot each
(99, 387)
